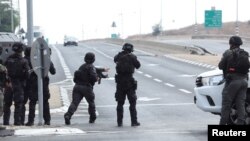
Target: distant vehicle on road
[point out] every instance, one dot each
(208, 94)
(70, 41)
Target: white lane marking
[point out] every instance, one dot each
(143, 105)
(48, 131)
(151, 65)
(147, 75)
(147, 99)
(170, 85)
(109, 78)
(147, 53)
(187, 75)
(185, 91)
(157, 80)
(64, 65)
(103, 53)
(140, 72)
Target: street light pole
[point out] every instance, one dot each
(140, 17)
(161, 18)
(30, 34)
(237, 22)
(11, 15)
(19, 16)
(195, 26)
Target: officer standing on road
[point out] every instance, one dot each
(236, 81)
(17, 68)
(3, 82)
(84, 78)
(27, 89)
(33, 97)
(126, 62)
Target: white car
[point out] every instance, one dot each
(208, 94)
(68, 41)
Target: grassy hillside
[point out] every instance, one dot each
(226, 29)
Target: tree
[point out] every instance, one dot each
(157, 29)
(5, 16)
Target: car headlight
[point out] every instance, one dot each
(212, 80)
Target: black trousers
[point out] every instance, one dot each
(126, 87)
(79, 92)
(16, 94)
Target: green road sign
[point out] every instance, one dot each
(213, 18)
(114, 35)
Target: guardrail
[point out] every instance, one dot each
(187, 49)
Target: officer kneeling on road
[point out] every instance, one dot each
(126, 62)
(84, 78)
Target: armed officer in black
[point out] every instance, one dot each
(33, 95)
(84, 78)
(18, 72)
(236, 77)
(126, 62)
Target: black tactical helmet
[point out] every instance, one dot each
(17, 47)
(128, 47)
(89, 58)
(235, 40)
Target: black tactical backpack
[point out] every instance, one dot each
(125, 65)
(15, 67)
(239, 62)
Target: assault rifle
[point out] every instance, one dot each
(100, 74)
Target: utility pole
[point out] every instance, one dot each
(237, 22)
(12, 18)
(30, 34)
(19, 16)
(195, 26)
(161, 19)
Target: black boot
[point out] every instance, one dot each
(92, 119)
(133, 115)
(47, 123)
(29, 123)
(6, 117)
(67, 119)
(119, 115)
(135, 123)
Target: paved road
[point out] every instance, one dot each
(165, 101)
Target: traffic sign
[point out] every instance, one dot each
(40, 56)
(213, 18)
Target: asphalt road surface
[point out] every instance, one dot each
(165, 104)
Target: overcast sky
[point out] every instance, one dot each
(87, 19)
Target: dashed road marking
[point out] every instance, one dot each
(157, 80)
(170, 85)
(185, 91)
(147, 75)
(140, 72)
